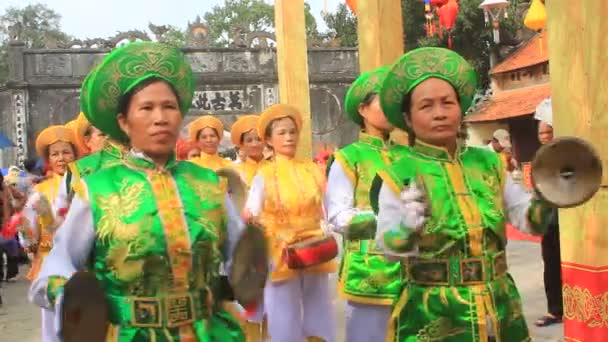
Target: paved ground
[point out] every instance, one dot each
(20, 321)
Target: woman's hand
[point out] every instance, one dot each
(414, 207)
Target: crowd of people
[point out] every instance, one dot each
(127, 199)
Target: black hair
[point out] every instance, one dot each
(242, 137)
(30, 165)
(125, 100)
(367, 100)
(268, 131)
(88, 131)
(198, 134)
(406, 109)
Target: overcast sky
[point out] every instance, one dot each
(103, 18)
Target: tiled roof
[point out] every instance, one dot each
(511, 103)
(529, 54)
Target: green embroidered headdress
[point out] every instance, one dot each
(124, 69)
(367, 82)
(419, 65)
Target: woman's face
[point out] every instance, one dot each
(153, 120)
(95, 140)
(61, 154)
(208, 140)
(193, 153)
(435, 113)
(284, 137)
(374, 116)
(252, 145)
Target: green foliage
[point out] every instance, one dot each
(342, 26)
(471, 37)
(38, 23)
(251, 15)
(175, 37)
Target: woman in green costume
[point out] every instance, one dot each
(443, 209)
(153, 230)
(368, 281)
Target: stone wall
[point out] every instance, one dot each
(229, 82)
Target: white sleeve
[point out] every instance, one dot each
(339, 198)
(389, 219)
(234, 229)
(517, 201)
(255, 199)
(72, 246)
(61, 201)
(30, 217)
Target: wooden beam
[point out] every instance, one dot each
(380, 36)
(380, 33)
(577, 43)
(292, 65)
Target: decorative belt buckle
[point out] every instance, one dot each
(472, 271)
(145, 313)
(434, 272)
(179, 310)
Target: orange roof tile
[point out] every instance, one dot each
(511, 103)
(527, 55)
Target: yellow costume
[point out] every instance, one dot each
(286, 199)
(210, 161)
(249, 167)
(39, 215)
(292, 209)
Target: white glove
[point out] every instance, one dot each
(414, 208)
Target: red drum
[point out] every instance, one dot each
(310, 252)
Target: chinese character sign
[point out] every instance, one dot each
(219, 100)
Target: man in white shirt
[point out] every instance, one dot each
(501, 141)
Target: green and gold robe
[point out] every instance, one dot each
(154, 239)
(456, 287)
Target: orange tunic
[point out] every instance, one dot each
(292, 210)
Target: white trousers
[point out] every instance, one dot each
(366, 323)
(299, 308)
(49, 334)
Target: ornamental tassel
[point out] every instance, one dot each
(496, 35)
(450, 39)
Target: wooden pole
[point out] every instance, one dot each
(292, 65)
(577, 43)
(380, 33)
(380, 36)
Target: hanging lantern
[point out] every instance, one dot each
(432, 7)
(449, 12)
(536, 19)
(352, 4)
(537, 16)
(494, 9)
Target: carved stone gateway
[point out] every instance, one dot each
(43, 86)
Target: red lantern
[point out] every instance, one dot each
(438, 3)
(447, 17)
